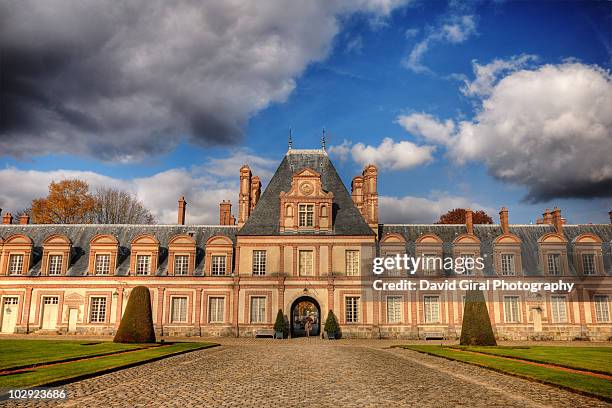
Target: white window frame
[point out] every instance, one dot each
(305, 263)
(50, 300)
(97, 309)
(602, 308)
(590, 267)
(218, 265)
(181, 264)
(394, 309)
(431, 308)
(469, 271)
(558, 308)
(512, 309)
(351, 309)
(102, 264)
(258, 309)
(351, 259)
(306, 215)
(507, 264)
(143, 265)
(216, 309)
(54, 268)
(179, 306)
(553, 262)
(16, 264)
(425, 265)
(259, 262)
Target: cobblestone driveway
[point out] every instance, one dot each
(311, 373)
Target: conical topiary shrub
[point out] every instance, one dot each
(331, 326)
(476, 329)
(279, 325)
(137, 322)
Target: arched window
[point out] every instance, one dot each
(392, 244)
(553, 254)
(181, 257)
(56, 255)
(103, 249)
(429, 249)
(507, 255)
(16, 255)
(467, 247)
(219, 250)
(144, 255)
(588, 258)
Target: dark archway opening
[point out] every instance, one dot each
(305, 311)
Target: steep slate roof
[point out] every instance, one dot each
(528, 234)
(264, 220)
(80, 235)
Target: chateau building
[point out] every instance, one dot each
(304, 245)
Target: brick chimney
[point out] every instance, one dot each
(182, 205)
(469, 225)
(225, 213)
(255, 191)
(24, 219)
(357, 192)
(244, 196)
(547, 217)
(370, 195)
(557, 221)
(503, 220)
(7, 218)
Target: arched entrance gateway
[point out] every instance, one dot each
(305, 309)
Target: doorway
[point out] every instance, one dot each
(49, 315)
(9, 314)
(305, 313)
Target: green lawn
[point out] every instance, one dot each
(44, 375)
(578, 382)
(597, 359)
(20, 353)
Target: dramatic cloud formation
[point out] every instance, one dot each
(123, 79)
(549, 128)
(389, 155)
(202, 188)
(456, 29)
(427, 127)
(409, 209)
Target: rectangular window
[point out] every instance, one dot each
(352, 309)
(306, 215)
(394, 309)
(216, 310)
(143, 264)
(511, 309)
(16, 264)
(55, 264)
(11, 300)
(559, 309)
(102, 264)
(305, 263)
(179, 309)
(588, 264)
(602, 311)
(97, 312)
(258, 309)
(554, 264)
(352, 262)
(218, 265)
(429, 264)
(259, 262)
(51, 300)
(507, 264)
(181, 264)
(432, 309)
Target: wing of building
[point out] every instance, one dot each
(305, 246)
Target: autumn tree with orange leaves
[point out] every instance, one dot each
(457, 216)
(68, 202)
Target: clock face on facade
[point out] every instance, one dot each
(306, 188)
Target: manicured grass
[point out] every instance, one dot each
(61, 372)
(20, 353)
(597, 359)
(577, 382)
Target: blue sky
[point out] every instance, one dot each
(357, 83)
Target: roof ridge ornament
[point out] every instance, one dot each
(323, 140)
(290, 139)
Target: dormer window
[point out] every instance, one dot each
(16, 264)
(588, 264)
(553, 254)
(554, 264)
(55, 264)
(588, 256)
(306, 215)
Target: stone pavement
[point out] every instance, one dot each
(310, 372)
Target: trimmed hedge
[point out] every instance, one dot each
(331, 324)
(137, 322)
(476, 329)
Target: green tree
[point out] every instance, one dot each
(476, 329)
(137, 322)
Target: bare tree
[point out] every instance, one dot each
(114, 206)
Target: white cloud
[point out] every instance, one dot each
(341, 151)
(454, 30)
(427, 127)
(411, 32)
(393, 156)
(121, 80)
(203, 189)
(410, 209)
(487, 75)
(354, 45)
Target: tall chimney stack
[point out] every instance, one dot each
(225, 213)
(547, 217)
(503, 220)
(557, 221)
(24, 219)
(182, 204)
(7, 218)
(244, 196)
(255, 191)
(469, 225)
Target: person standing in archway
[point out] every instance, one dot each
(308, 326)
